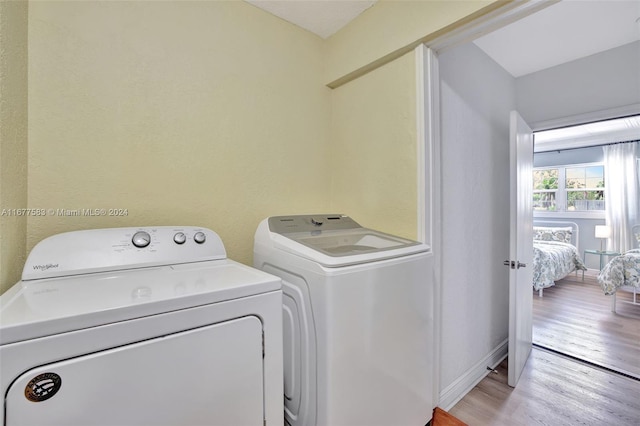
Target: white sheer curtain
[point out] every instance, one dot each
(622, 193)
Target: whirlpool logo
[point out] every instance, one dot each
(42, 387)
(45, 267)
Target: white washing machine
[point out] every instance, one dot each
(358, 321)
(140, 326)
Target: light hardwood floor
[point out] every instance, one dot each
(573, 317)
(554, 391)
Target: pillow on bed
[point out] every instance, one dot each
(542, 233)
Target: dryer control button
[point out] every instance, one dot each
(180, 238)
(199, 237)
(316, 222)
(141, 239)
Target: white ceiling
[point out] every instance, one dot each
(321, 17)
(563, 32)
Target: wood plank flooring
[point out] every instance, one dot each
(574, 317)
(552, 390)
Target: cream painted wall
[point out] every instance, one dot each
(205, 113)
(373, 149)
(391, 25)
(212, 113)
(13, 139)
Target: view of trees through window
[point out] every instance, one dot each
(545, 187)
(570, 188)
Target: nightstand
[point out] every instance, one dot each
(602, 255)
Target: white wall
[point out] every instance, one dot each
(476, 97)
(602, 81)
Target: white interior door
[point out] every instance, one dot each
(520, 247)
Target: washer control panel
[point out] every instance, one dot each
(311, 223)
(113, 249)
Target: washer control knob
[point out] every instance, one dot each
(141, 239)
(179, 238)
(316, 222)
(199, 237)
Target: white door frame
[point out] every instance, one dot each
(429, 184)
(429, 162)
(574, 120)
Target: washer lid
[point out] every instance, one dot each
(43, 307)
(337, 240)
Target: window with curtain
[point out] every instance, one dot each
(622, 174)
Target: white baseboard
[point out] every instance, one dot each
(463, 384)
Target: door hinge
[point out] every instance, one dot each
(262, 344)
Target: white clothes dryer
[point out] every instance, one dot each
(358, 321)
(140, 326)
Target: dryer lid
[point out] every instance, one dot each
(44, 307)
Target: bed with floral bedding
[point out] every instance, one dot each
(555, 254)
(623, 273)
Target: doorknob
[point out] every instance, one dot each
(513, 264)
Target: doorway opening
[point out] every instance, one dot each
(575, 182)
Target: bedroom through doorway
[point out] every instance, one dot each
(573, 315)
